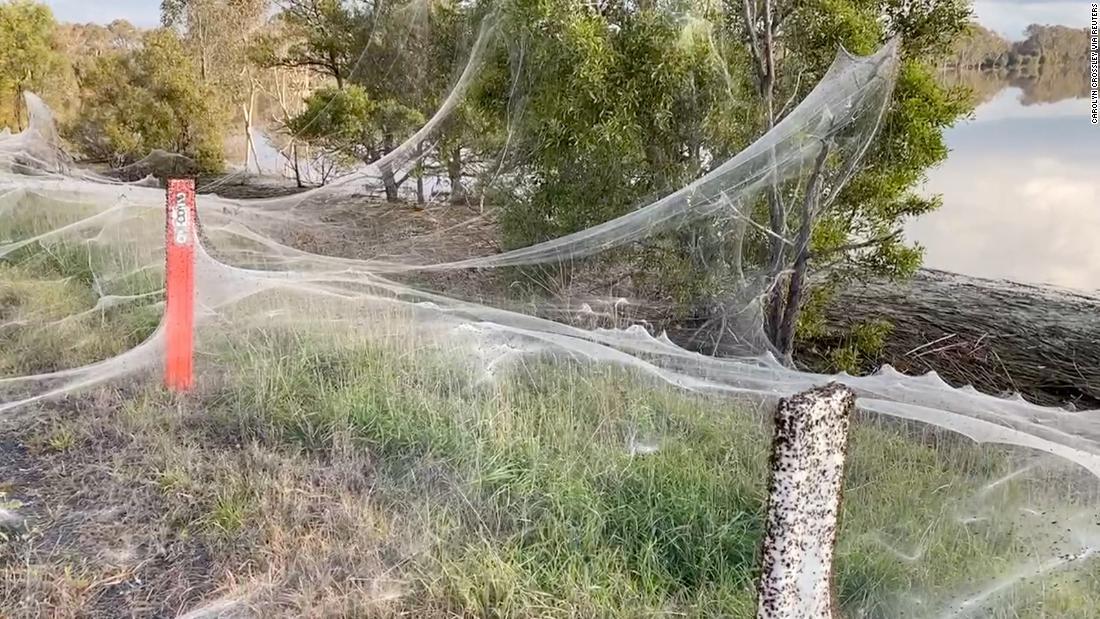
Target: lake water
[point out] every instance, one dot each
(1021, 192)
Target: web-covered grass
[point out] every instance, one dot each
(560, 488)
(56, 313)
(588, 491)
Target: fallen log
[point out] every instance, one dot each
(999, 336)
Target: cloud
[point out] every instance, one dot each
(1011, 17)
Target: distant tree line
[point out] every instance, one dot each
(984, 49)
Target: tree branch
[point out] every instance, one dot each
(882, 240)
(750, 31)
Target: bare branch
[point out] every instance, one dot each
(794, 95)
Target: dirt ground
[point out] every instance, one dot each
(92, 536)
(121, 507)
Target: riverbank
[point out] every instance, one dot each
(997, 335)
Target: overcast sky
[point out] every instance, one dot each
(140, 12)
(1009, 17)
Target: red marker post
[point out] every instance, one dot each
(179, 311)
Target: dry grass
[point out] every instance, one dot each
(144, 514)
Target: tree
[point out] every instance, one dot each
(31, 60)
(348, 123)
(147, 99)
(859, 233)
(216, 30)
(222, 35)
(86, 41)
(618, 105)
(399, 54)
(623, 102)
(410, 55)
(1055, 44)
(322, 36)
(978, 48)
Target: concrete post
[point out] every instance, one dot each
(807, 470)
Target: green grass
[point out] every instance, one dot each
(545, 507)
(535, 501)
(49, 290)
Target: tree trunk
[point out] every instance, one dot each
(737, 256)
(252, 92)
(204, 60)
(419, 172)
(337, 72)
(777, 212)
(784, 341)
(296, 164)
(389, 183)
(249, 145)
(247, 136)
(762, 46)
(454, 175)
(778, 225)
(18, 107)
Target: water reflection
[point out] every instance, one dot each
(1021, 187)
(1048, 84)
